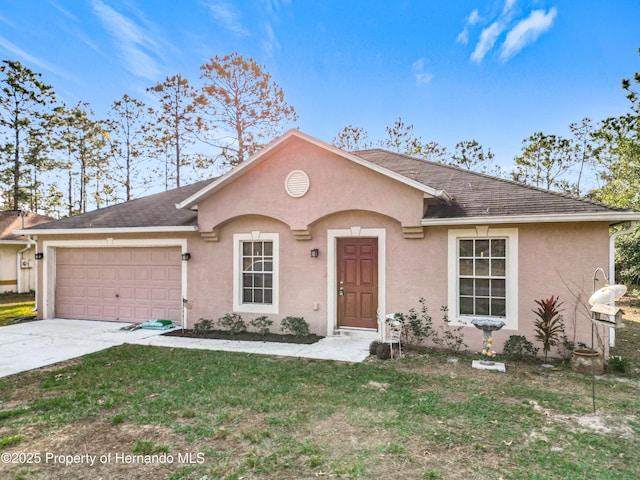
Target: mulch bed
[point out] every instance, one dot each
(246, 336)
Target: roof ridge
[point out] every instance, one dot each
(494, 177)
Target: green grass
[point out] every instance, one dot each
(14, 305)
(253, 416)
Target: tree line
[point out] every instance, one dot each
(60, 160)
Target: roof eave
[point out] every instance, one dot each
(89, 231)
(611, 218)
(15, 242)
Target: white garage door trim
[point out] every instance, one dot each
(49, 266)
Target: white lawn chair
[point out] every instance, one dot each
(391, 332)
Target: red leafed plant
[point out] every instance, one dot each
(549, 325)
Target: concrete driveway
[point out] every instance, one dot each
(43, 342)
(30, 345)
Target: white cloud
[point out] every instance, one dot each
(472, 19)
(418, 69)
(487, 40)
(226, 15)
(270, 41)
(526, 32)
(508, 6)
(135, 45)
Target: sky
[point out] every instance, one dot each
(491, 71)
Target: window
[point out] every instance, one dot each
(255, 272)
(483, 275)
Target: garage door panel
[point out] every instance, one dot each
(125, 274)
(108, 273)
(119, 284)
(95, 292)
(158, 294)
(125, 293)
(174, 274)
(142, 294)
(142, 274)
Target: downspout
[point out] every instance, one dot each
(612, 267)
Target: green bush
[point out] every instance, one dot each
(619, 364)
(261, 324)
(416, 325)
(448, 337)
(295, 325)
(383, 351)
(627, 258)
(373, 347)
(232, 323)
(517, 347)
(204, 325)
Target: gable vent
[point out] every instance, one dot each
(297, 183)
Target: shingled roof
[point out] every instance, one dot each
(158, 210)
(12, 220)
(467, 197)
(475, 195)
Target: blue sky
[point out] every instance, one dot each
(494, 71)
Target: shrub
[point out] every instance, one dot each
(549, 325)
(295, 325)
(383, 352)
(204, 325)
(619, 364)
(373, 347)
(233, 323)
(627, 258)
(447, 337)
(517, 347)
(261, 324)
(416, 326)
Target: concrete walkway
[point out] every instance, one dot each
(36, 344)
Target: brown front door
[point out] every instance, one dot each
(357, 282)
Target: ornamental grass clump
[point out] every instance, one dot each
(549, 325)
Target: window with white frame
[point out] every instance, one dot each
(483, 275)
(255, 272)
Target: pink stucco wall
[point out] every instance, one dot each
(336, 185)
(554, 258)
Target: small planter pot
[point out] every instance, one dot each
(586, 362)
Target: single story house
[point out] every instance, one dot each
(306, 229)
(17, 272)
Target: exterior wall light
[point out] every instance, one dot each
(186, 257)
(39, 256)
(315, 252)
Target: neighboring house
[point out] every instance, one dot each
(17, 272)
(306, 229)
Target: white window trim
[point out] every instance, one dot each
(511, 234)
(255, 236)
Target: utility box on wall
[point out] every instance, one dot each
(26, 264)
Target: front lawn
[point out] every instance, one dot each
(14, 305)
(149, 412)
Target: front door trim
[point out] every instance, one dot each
(332, 269)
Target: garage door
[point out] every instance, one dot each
(119, 284)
